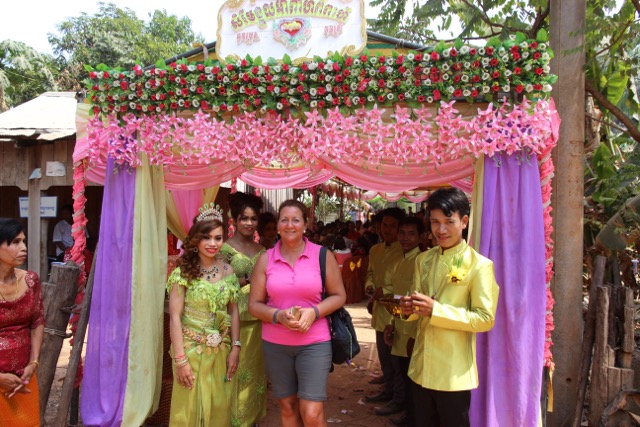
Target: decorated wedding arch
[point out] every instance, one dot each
(387, 122)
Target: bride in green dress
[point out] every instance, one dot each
(204, 327)
(249, 399)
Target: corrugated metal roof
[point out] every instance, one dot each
(50, 116)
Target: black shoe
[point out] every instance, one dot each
(380, 397)
(390, 408)
(401, 421)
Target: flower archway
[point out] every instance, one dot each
(384, 124)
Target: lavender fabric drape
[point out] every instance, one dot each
(510, 357)
(105, 375)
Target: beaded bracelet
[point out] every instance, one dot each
(275, 316)
(315, 309)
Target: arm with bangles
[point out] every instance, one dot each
(184, 374)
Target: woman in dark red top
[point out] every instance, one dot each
(21, 330)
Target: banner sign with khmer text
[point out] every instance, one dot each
(298, 28)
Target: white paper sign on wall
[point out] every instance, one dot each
(298, 28)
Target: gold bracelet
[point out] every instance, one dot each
(181, 363)
(36, 362)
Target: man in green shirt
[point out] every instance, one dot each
(455, 296)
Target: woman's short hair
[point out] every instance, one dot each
(294, 204)
(9, 230)
(239, 201)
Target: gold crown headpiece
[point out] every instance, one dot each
(209, 212)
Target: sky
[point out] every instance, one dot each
(31, 21)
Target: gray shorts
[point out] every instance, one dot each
(298, 369)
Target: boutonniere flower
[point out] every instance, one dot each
(456, 272)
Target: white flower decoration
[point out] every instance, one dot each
(313, 104)
(464, 78)
(191, 67)
(485, 89)
(529, 88)
(429, 99)
(371, 98)
(279, 106)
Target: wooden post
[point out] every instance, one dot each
(589, 336)
(599, 374)
(33, 227)
(567, 40)
(58, 297)
(76, 352)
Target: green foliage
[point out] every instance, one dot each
(119, 38)
(24, 74)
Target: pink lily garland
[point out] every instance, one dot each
(405, 138)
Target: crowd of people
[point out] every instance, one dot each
(245, 313)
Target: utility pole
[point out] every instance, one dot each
(567, 41)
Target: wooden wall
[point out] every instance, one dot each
(18, 163)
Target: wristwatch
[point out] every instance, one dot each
(236, 343)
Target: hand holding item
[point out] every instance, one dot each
(306, 317)
(289, 318)
(11, 384)
(422, 304)
(377, 294)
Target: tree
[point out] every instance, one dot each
(118, 38)
(24, 73)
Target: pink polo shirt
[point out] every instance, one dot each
(289, 286)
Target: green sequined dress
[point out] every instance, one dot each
(206, 329)
(249, 398)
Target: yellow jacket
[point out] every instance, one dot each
(444, 355)
(382, 260)
(402, 281)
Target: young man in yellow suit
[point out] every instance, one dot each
(455, 296)
(399, 335)
(382, 259)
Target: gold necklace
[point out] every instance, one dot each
(15, 292)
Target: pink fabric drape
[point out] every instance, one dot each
(187, 203)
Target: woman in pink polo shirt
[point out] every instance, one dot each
(286, 294)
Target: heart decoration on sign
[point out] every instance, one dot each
(292, 32)
(291, 27)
